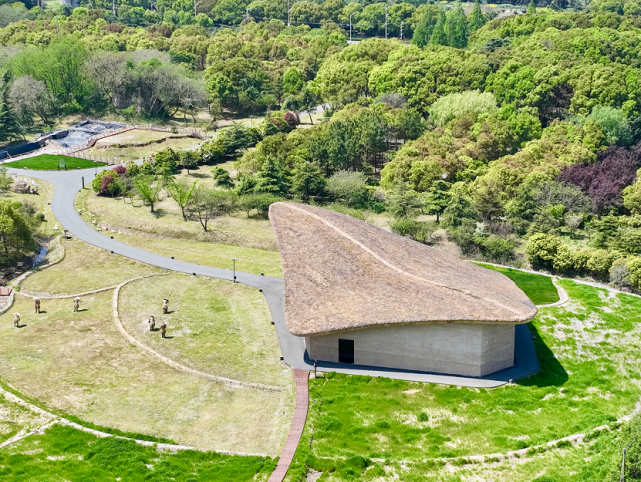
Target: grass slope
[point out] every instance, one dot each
(538, 288)
(63, 453)
(589, 377)
(49, 162)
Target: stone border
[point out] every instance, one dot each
(163, 447)
(171, 363)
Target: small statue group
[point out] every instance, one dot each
(76, 304)
(152, 320)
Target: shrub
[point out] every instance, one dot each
(496, 248)
(541, 249)
(419, 231)
(634, 268)
(423, 417)
(563, 259)
(600, 262)
(619, 273)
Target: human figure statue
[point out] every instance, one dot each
(152, 323)
(163, 329)
(76, 304)
(16, 320)
(165, 306)
(36, 305)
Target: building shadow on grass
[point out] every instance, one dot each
(551, 372)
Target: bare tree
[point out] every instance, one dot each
(30, 97)
(109, 71)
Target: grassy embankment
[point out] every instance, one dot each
(589, 377)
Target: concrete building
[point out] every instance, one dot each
(359, 294)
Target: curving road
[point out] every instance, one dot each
(68, 183)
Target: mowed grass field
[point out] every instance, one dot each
(539, 289)
(588, 351)
(132, 153)
(51, 162)
(216, 326)
(80, 364)
(85, 268)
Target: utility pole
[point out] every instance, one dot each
(288, 23)
(386, 21)
(195, 6)
(402, 30)
(234, 260)
(350, 25)
(113, 7)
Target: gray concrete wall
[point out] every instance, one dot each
(457, 348)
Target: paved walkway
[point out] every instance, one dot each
(296, 430)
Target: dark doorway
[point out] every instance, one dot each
(346, 351)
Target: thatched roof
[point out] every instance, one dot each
(341, 273)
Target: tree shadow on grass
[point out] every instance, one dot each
(159, 213)
(199, 175)
(552, 372)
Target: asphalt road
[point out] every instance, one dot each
(68, 183)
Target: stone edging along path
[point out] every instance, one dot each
(171, 363)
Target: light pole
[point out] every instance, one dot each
(234, 268)
(288, 13)
(402, 30)
(350, 25)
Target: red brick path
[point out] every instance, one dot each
(296, 430)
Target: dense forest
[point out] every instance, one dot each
(519, 135)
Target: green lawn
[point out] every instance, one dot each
(50, 162)
(64, 453)
(589, 377)
(538, 288)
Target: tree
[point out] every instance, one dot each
(468, 104)
(404, 202)
(181, 192)
(6, 180)
(30, 97)
(438, 198)
(531, 7)
(307, 180)
(9, 127)
(439, 36)
(189, 159)
(487, 197)
(222, 178)
(476, 18)
(16, 234)
(349, 187)
(456, 28)
(207, 203)
(459, 208)
(272, 178)
(148, 188)
(425, 27)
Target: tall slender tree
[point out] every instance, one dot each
(439, 37)
(425, 26)
(456, 28)
(9, 126)
(531, 7)
(476, 19)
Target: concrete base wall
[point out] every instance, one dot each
(471, 350)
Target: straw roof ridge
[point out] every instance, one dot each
(342, 273)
